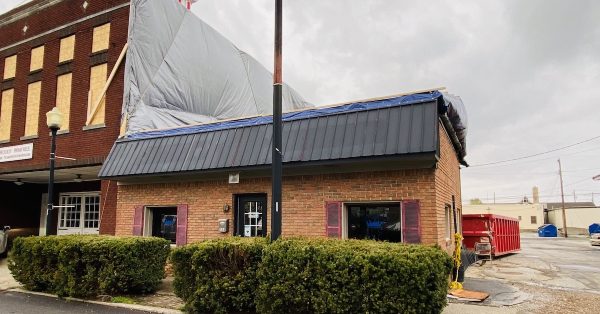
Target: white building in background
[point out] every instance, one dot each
(531, 215)
(579, 215)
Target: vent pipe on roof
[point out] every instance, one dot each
(536, 195)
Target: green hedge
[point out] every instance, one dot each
(332, 276)
(218, 276)
(86, 265)
(310, 276)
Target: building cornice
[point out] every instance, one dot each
(63, 26)
(25, 10)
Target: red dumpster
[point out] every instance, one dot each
(501, 232)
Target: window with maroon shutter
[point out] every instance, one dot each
(182, 218)
(334, 219)
(138, 220)
(411, 221)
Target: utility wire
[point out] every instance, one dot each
(534, 155)
(521, 162)
(580, 181)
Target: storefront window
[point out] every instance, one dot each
(375, 221)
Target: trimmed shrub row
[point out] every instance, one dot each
(311, 276)
(218, 276)
(83, 266)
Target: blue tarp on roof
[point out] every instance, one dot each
(305, 114)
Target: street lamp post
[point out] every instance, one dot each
(277, 153)
(54, 121)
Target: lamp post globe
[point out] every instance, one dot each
(54, 120)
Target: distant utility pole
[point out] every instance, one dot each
(595, 178)
(562, 195)
(277, 154)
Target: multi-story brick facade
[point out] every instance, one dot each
(58, 45)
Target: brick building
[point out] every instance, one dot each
(60, 53)
(386, 169)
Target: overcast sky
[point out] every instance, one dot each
(527, 71)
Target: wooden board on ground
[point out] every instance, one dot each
(468, 295)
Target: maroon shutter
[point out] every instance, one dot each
(138, 220)
(411, 221)
(334, 219)
(182, 218)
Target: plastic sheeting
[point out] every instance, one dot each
(304, 114)
(180, 71)
(457, 114)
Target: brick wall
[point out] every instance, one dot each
(90, 146)
(447, 184)
(50, 17)
(108, 207)
(305, 197)
(303, 202)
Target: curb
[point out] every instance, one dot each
(138, 307)
(9, 288)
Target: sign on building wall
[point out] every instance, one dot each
(19, 152)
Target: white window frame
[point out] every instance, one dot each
(148, 221)
(81, 229)
(448, 217)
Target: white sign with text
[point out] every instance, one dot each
(19, 152)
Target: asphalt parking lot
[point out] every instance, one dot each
(570, 264)
(549, 275)
(22, 303)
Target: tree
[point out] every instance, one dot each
(475, 201)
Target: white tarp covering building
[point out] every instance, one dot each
(180, 71)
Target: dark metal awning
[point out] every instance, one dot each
(363, 135)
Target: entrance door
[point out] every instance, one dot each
(251, 219)
(164, 223)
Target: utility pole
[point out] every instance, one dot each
(277, 154)
(595, 178)
(562, 195)
(574, 196)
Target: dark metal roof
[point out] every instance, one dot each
(387, 131)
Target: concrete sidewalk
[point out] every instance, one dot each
(6, 279)
(456, 308)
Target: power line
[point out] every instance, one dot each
(536, 160)
(520, 197)
(537, 154)
(580, 170)
(580, 181)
